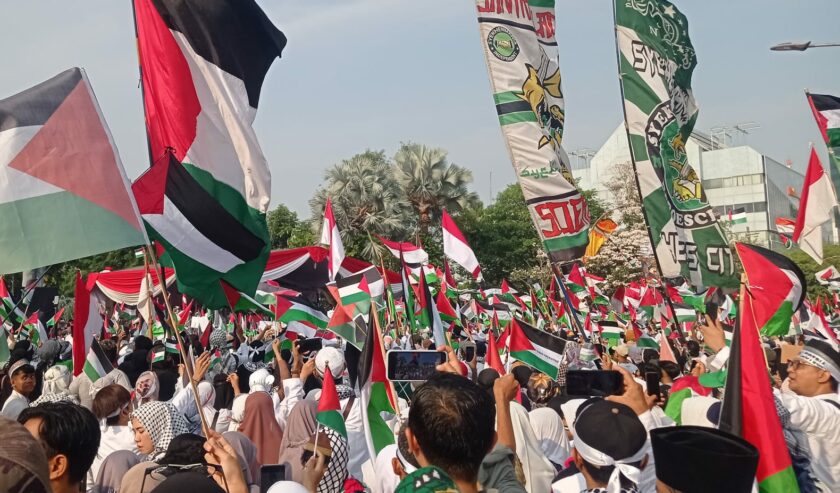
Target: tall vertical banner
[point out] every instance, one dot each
(521, 54)
(656, 61)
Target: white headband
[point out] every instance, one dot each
(815, 357)
(623, 466)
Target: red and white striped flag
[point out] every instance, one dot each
(331, 237)
(815, 206)
(455, 246)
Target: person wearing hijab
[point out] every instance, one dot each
(112, 470)
(261, 427)
(112, 407)
(539, 471)
(155, 424)
(25, 466)
(336, 472)
(300, 426)
(47, 353)
(56, 386)
(548, 429)
(146, 389)
(247, 453)
(219, 420)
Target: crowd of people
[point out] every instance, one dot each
(253, 424)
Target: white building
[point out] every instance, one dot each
(733, 178)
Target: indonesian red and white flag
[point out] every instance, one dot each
(331, 237)
(86, 322)
(815, 206)
(455, 246)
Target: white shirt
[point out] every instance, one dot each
(14, 405)
(113, 438)
(820, 422)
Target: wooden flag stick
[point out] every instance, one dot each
(173, 322)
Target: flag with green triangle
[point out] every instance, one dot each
(778, 284)
(329, 407)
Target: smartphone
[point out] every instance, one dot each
(468, 350)
(413, 366)
(712, 310)
(594, 383)
(309, 345)
(270, 474)
(652, 383)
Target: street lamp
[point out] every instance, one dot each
(800, 46)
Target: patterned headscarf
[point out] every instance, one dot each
(163, 422)
(336, 472)
(22, 458)
(144, 393)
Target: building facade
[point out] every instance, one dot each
(734, 179)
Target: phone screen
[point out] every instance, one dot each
(270, 474)
(594, 383)
(308, 345)
(413, 366)
(652, 381)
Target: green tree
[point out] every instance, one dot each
(502, 235)
(302, 236)
(431, 183)
(366, 200)
(831, 256)
(63, 275)
(282, 223)
(596, 206)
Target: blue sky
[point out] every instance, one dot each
(369, 74)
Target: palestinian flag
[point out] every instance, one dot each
(289, 309)
(205, 197)
(749, 409)
(377, 394)
(535, 348)
(8, 310)
(241, 302)
(647, 341)
(815, 206)
(55, 318)
(827, 113)
(63, 191)
(777, 287)
(158, 355)
(96, 364)
(575, 280)
(171, 346)
(429, 315)
(360, 291)
(492, 360)
(329, 407)
(455, 246)
(445, 310)
(86, 322)
(332, 238)
(408, 296)
(684, 313)
(610, 332)
(36, 330)
(737, 216)
(411, 254)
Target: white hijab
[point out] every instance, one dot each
(538, 470)
(550, 433)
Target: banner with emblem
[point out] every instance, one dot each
(521, 54)
(656, 61)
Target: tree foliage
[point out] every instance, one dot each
(431, 183)
(282, 223)
(831, 256)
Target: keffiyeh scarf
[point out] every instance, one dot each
(163, 423)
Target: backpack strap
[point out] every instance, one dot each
(833, 403)
(348, 407)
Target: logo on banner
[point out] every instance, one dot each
(502, 44)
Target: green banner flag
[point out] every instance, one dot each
(656, 61)
(521, 54)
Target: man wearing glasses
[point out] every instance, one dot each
(810, 396)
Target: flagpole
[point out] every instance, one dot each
(174, 324)
(574, 319)
(23, 296)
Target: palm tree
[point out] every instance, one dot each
(366, 201)
(431, 183)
